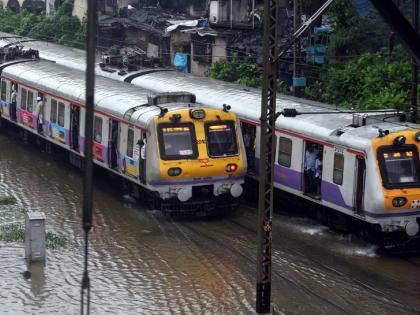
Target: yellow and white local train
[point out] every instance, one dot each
(184, 155)
(370, 161)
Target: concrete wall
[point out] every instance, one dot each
(80, 8)
(219, 49)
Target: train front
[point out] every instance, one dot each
(200, 162)
(394, 201)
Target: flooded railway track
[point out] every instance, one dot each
(159, 265)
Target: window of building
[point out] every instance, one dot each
(285, 151)
(53, 116)
(3, 90)
(97, 129)
(61, 114)
(338, 168)
(130, 142)
(23, 97)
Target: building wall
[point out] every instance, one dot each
(80, 8)
(219, 49)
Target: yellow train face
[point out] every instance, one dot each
(398, 163)
(199, 144)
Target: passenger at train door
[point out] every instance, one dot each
(13, 98)
(40, 113)
(309, 168)
(142, 144)
(318, 175)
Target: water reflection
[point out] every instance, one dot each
(143, 263)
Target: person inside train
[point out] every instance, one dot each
(249, 142)
(40, 112)
(318, 175)
(13, 102)
(309, 165)
(142, 144)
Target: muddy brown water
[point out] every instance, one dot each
(143, 263)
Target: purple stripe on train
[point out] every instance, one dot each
(293, 179)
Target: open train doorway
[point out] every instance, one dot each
(113, 143)
(249, 133)
(359, 185)
(74, 127)
(312, 169)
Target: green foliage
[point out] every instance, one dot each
(366, 82)
(240, 70)
(62, 28)
(12, 233)
(7, 200)
(16, 233)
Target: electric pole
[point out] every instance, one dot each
(267, 151)
(414, 65)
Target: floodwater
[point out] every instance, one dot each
(143, 263)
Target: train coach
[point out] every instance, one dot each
(184, 156)
(370, 162)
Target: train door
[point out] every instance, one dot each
(312, 169)
(143, 157)
(113, 143)
(359, 184)
(249, 134)
(74, 127)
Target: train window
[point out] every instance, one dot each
(177, 141)
(23, 97)
(61, 113)
(130, 142)
(221, 138)
(30, 103)
(53, 115)
(97, 129)
(399, 166)
(285, 151)
(338, 168)
(3, 90)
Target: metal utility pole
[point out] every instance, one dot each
(414, 65)
(267, 151)
(296, 45)
(87, 183)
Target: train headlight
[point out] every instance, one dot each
(399, 201)
(230, 168)
(417, 136)
(197, 113)
(174, 171)
(400, 140)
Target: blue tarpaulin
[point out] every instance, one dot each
(181, 61)
(363, 7)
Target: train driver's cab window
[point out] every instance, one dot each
(97, 129)
(221, 139)
(3, 90)
(177, 141)
(399, 166)
(338, 168)
(285, 151)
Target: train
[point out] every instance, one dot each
(182, 156)
(370, 161)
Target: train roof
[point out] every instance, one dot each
(112, 97)
(245, 101)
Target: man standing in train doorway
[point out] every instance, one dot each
(310, 158)
(13, 98)
(40, 113)
(142, 144)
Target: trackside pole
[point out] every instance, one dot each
(267, 140)
(87, 183)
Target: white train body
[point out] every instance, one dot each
(125, 114)
(353, 145)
